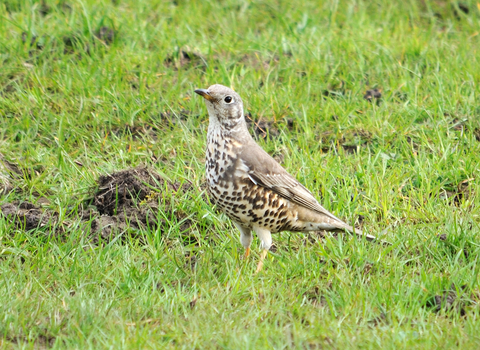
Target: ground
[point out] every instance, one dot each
(107, 237)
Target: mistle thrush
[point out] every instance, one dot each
(250, 187)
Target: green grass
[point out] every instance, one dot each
(74, 107)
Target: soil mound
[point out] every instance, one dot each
(27, 216)
(126, 201)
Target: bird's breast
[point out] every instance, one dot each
(221, 158)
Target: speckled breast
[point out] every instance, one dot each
(230, 188)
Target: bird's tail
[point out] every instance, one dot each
(360, 234)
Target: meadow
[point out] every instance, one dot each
(108, 239)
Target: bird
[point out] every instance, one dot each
(251, 187)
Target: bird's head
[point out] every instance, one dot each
(224, 105)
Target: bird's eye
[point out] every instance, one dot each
(228, 99)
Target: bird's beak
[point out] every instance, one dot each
(205, 94)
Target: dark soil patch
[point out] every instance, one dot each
(413, 143)
(191, 261)
(368, 268)
(36, 45)
(360, 220)
(450, 300)
(122, 190)
(42, 341)
(263, 129)
(476, 132)
(351, 149)
(11, 173)
(462, 7)
(126, 201)
(185, 58)
(130, 199)
(458, 124)
(335, 90)
(105, 34)
(5, 186)
(456, 195)
(27, 216)
(379, 320)
(193, 303)
(373, 95)
(76, 43)
(44, 9)
(279, 157)
(35, 42)
(316, 297)
(9, 87)
(444, 10)
(70, 42)
(350, 141)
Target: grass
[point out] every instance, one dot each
(77, 103)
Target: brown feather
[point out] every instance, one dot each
(270, 174)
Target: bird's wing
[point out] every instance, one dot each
(263, 170)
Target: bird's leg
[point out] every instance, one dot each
(266, 242)
(245, 238)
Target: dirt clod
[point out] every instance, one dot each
(316, 297)
(368, 268)
(106, 34)
(125, 201)
(70, 44)
(449, 300)
(193, 303)
(35, 41)
(360, 220)
(378, 320)
(336, 89)
(118, 201)
(476, 132)
(351, 141)
(184, 58)
(123, 189)
(129, 199)
(44, 9)
(27, 216)
(455, 195)
(463, 7)
(372, 95)
(42, 341)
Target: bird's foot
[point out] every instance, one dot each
(247, 253)
(260, 263)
